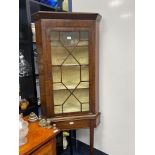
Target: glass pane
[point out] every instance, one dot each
(81, 54)
(54, 35)
(83, 35)
(83, 43)
(58, 86)
(69, 38)
(83, 85)
(84, 73)
(58, 55)
(72, 105)
(56, 44)
(82, 95)
(71, 76)
(70, 71)
(56, 72)
(85, 107)
(70, 61)
(60, 96)
(57, 109)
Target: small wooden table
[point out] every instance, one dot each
(39, 141)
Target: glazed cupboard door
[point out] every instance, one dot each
(70, 70)
(68, 63)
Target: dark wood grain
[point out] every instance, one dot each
(91, 138)
(65, 15)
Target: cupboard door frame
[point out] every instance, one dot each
(46, 46)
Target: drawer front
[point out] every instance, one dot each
(75, 124)
(47, 149)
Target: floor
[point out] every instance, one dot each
(80, 148)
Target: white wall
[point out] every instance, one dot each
(115, 134)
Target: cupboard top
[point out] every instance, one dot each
(65, 15)
(37, 137)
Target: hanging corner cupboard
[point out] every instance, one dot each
(68, 68)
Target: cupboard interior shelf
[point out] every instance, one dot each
(65, 65)
(70, 46)
(70, 86)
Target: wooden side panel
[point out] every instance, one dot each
(69, 125)
(46, 105)
(47, 149)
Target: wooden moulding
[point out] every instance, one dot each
(65, 15)
(75, 122)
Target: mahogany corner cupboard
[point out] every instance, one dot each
(67, 44)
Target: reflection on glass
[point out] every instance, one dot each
(69, 38)
(24, 67)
